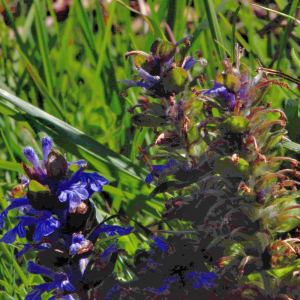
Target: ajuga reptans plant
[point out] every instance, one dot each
(221, 172)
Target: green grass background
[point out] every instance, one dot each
(63, 81)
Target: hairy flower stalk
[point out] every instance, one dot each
(227, 177)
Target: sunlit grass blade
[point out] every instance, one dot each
(104, 45)
(87, 30)
(157, 31)
(278, 12)
(284, 35)
(214, 27)
(43, 46)
(233, 33)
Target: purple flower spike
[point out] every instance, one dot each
(46, 147)
(33, 158)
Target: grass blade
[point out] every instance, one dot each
(214, 27)
(233, 32)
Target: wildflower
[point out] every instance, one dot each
(159, 169)
(160, 243)
(164, 287)
(202, 279)
(116, 289)
(220, 92)
(163, 71)
(79, 244)
(45, 225)
(60, 281)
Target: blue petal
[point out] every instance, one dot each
(37, 269)
(9, 236)
(147, 77)
(46, 226)
(131, 83)
(149, 178)
(108, 251)
(33, 158)
(160, 243)
(37, 291)
(190, 63)
(116, 289)
(46, 147)
(216, 90)
(15, 203)
(63, 197)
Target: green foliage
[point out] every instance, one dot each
(63, 80)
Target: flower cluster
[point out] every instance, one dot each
(227, 176)
(224, 176)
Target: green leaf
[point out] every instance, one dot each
(232, 83)
(236, 124)
(36, 187)
(175, 80)
(227, 168)
(295, 57)
(277, 273)
(148, 121)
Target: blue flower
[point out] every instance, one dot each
(220, 92)
(34, 247)
(46, 148)
(18, 202)
(60, 281)
(159, 168)
(110, 230)
(34, 160)
(79, 244)
(94, 182)
(160, 243)
(116, 289)
(45, 225)
(164, 287)
(73, 191)
(107, 252)
(190, 62)
(148, 81)
(202, 279)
